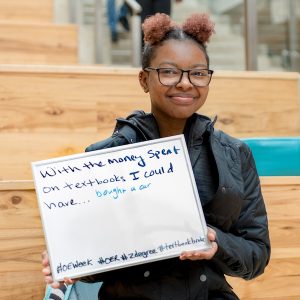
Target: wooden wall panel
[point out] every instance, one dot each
(21, 245)
(18, 150)
(48, 111)
(26, 10)
(247, 103)
(38, 43)
(281, 277)
(22, 241)
(261, 105)
(67, 102)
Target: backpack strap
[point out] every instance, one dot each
(61, 293)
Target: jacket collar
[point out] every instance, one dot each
(146, 124)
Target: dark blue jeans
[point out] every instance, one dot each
(151, 7)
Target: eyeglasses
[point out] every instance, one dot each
(172, 76)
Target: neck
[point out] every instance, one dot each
(170, 128)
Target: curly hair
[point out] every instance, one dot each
(159, 28)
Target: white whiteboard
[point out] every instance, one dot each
(118, 207)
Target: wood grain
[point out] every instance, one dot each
(26, 10)
(50, 111)
(281, 278)
(22, 241)
(18, 150)
(255, 106)
(58, 110)
(247, 103)
(38, 43)
(21, 245)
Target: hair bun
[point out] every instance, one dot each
(199, 26)
(155, 27)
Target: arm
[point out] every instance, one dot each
(245, 250)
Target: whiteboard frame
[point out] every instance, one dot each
(101, 269)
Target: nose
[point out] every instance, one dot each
(184, 80)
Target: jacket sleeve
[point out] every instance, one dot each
(114, 141)
(245, 250)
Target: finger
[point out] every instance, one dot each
(209, 254)
(45, 260)
(191, 256)
(69, 280)
(211, 234)
(45, 254)
(46, 271)
(48, 279)
(198, 255)
(187, 255)
(56, 284)
(214, 246)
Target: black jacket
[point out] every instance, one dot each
(236, 212)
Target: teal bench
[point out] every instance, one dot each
(276, 156)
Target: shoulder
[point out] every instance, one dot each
(122, 135)
(125, 132)
(230, 141)
(113, 141)
(219, 137)
(237, 148)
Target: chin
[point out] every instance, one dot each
(182, 114)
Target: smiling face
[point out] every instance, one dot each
(174, 104)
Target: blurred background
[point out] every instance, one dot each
(254, 35)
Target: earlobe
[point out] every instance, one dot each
(143, 81)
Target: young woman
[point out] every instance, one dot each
(175, 73)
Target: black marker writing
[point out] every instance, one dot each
(53, 171)
(61, 204)
(48, 189)
(73, 265)
(162, 152)
(178, 244)
(139, 159)
(108, 260)
(149, 173)
(134, 174)
(90, 164)
(143, 254)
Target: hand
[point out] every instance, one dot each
(48, 276)
(203, 254)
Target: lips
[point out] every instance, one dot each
(182, 99)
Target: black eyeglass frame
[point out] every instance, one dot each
(210, 73)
